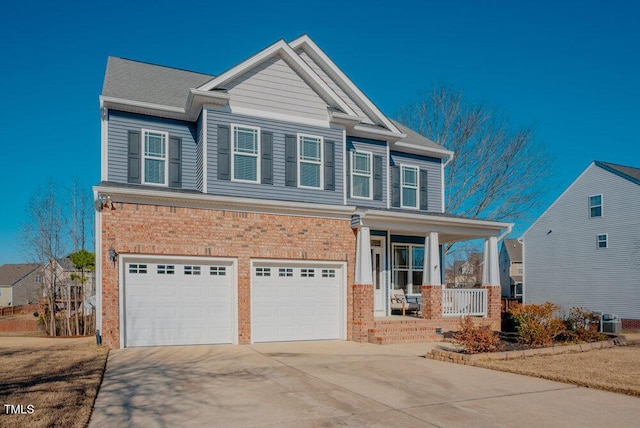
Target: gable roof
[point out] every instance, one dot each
(12, 273)
(149, 83)
(514, 249)
(628, 172)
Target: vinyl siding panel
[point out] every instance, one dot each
(562, 263)
(199, 153)
(333, 85)
(275, 87)
(119, 125)
(376, 148)
(434, 171)
(277, 190)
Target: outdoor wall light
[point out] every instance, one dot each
(113, 255)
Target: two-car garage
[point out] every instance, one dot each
(180, 301)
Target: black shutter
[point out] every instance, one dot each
(266, 166)
(175, 162)
(291, 166)
(424, 190)
(133, 158)
(347, 166)
(395, 186)
(224, 153)
(377, 178)
(329, 166)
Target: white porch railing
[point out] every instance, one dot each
(460, 302)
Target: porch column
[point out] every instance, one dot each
(431, 280)
(363, 288)
(491, 282)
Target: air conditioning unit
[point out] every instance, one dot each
(611, 324)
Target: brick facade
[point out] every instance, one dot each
(167, 230)
(362, 312)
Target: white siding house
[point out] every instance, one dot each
(584, 250)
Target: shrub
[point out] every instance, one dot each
(476, 339)
(582, 325)
(537, 325)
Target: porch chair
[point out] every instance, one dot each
(400, 303)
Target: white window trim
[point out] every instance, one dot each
(144, 157)
(321, 163)
(595, 206)
(402, 205)
(606, 241)
(257, 155)
(370, 154)
(409, 269)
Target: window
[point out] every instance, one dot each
(217, 270)
(246, 151)
(192, 270)
(166, 269)
(307, 273)
(328, 273)
(603, 241)
(263, 271)
(137, 268)
(155, 165)
(595, 206)
(408, 262)
(361, 177)
(409, 187)
(38, 279)
(285, 272)
(310, 161)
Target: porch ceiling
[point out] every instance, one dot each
(449, 228)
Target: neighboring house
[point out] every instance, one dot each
(584, 250)
(272, 202)
(19, 284)
(511, 268)
(61, 272)
(468, 273)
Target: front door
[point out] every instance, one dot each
(378, 275)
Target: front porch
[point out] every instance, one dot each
(389, 256)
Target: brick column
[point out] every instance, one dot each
(494, 308)
(432, 302)
(362, 311)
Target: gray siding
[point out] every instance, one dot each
(119, 125)
(375, 148)
(434, 168)
(27, 290)
(199, 153)
(277, 190)
(562, 263)
(274, 86)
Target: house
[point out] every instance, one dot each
(584, 250)
(511, 270)
(19, 284)
(468, 273)
(272, 202)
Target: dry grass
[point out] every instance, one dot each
(614, 369)
(58, 377)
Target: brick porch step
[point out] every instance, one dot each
(403, 330)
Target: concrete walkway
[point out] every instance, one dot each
(336, 384)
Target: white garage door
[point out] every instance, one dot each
(170, 303)
(296, 301)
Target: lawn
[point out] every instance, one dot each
(614, 369)
(58, 377)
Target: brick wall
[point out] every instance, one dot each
(362, 312)
(629, 324)
(165, 230)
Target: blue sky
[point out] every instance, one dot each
(570, 69)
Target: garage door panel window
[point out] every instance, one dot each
(137, 268)
(260, 271)
(166, 269)
(328, 273)
(217, 270)
(307, 273)
(285, 272)
(192, 270)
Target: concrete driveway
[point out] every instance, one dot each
(335, 384)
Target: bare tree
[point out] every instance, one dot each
(498, 170)
(80, 204)
(44, 241)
